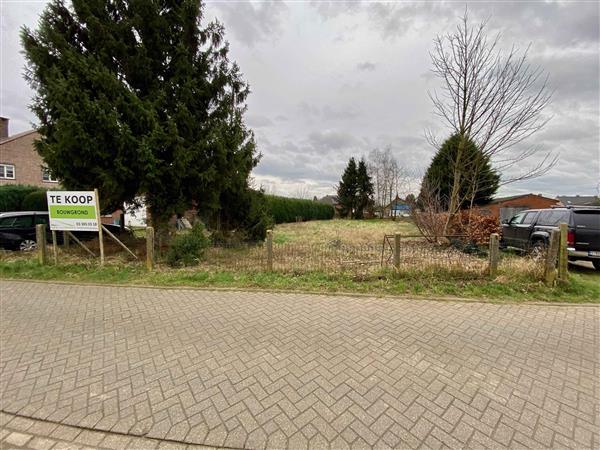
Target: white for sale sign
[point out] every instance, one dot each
(73, 210)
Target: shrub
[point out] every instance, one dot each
(284, 209)
(187, 248)
(478, 229)
(35, 201)
(12, 196)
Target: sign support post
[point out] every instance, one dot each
(100, 240)
(54, 247)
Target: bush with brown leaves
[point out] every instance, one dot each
(476, 226)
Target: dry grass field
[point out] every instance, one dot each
(343, 231)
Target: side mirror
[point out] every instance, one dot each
(505, 221)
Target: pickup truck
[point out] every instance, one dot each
(530, 231)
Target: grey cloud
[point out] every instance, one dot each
(339, 113)
(333, 9)
(258, 121)
(569, 73)
(332, 140)
(309, 110)
(559, 23)
(312, 107)
(251, 23)
(366, 66)
(327, 112)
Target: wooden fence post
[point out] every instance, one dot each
(269, 250)
(494, 254)
(40, 237)
(150, 248)
(54, 248)
(397, 251)
(563, 257)
(66, 240)
(550, 263)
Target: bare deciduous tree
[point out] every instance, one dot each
(389, 178)
(496, 99)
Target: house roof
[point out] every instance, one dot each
(329, 200)
(582, 200)
(397, 201)
(514, 197)
(14, 137)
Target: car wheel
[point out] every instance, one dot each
(596, 264)
(27, 245)
(538, 249)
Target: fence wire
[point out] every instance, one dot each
(416, 253)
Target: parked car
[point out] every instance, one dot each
(17, 230)
(530, 231)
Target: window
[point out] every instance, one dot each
(553, 218)
(588, 219)
(529, 217)
(517, 219)
(47, 176)
(7, 171)
(6, 222)
(16, 222)
(545, 218)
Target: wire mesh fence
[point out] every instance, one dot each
(415, 253)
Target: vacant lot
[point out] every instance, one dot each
(325, 256)
(352, 232)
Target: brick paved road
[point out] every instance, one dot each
(254, 369)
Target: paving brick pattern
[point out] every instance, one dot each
(261, 370)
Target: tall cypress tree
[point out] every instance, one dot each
(348, 189)
(137, 98)
(478, 179)
(364, 194)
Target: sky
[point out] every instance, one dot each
(336, 79)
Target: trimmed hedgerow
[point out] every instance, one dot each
(284, 209)
(13, 195)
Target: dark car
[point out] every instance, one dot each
(530, 231)
(17, 230)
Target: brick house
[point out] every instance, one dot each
(19, 162)
(506, 207)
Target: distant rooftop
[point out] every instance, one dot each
(581, 200)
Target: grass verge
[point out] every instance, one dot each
(584, 286)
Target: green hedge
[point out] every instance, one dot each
(12, 196)
(284, 209)
(35, 201)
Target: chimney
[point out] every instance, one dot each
(3, 127)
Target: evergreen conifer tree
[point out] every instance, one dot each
(348, 189)
(138, 98)
(479, 181)
(365, 189)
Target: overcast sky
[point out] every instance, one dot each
(331, 80)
